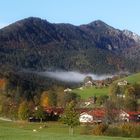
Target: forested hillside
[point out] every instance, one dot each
(36, 44)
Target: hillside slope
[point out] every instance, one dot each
(135, 78)
(36, 44)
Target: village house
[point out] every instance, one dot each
(99, 83)
(98, 116)
(88, 84)
(122, 83)
(87, 103)
(81, 88)
(121, 95)
(67, 90)
(85, 118)
(92, 116)
(130, 116)
(87, 115)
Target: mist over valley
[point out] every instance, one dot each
(72, 76)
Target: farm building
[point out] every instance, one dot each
(92, 116)
(130, 116)
(122, 83)
(85, 118)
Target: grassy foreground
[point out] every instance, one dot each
(52, 131)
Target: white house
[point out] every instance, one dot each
(88, 84)
(85, 118)
(87, 103)
(67, 90)
(124, 116)
(81, 88)
(130, 116)
(122, 83)
(121, 95)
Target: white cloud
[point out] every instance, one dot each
(72, 76)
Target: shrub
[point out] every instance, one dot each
(123, 130)
(100, 129)
(127, 129)
(86, 129)
(113, 131)
(136, 132)
(130, 130)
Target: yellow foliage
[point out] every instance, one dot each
(100, 129)
(44, 100)
(2, 83)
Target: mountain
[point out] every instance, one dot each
(132, 35)
(36, 44)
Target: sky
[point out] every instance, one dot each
(121, 14)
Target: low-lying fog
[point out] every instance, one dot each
(72, 76)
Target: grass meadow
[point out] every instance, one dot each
(52, 131)
(92, 91)
(135, 78)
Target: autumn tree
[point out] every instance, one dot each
(70, 117)
(101, 99)
(129, 96)
(113, 90)
(44, 100)
(23, 111)
(60, 96)
(130, 102)
(39, 113)
(137, 90)
(130, 91)
(71, 96)
(111, 111)
(52, 95)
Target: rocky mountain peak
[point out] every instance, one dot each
(132, 35)
(99, 24)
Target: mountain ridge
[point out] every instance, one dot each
(33, 43)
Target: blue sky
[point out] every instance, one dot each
(122, 14)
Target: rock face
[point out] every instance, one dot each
(36, 44)
(132, 35)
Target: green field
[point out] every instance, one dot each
(135, 78)
(92, 91)
(53, 131)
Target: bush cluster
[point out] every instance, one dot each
(100, 129)
(121, 130)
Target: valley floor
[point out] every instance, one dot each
(45, 131)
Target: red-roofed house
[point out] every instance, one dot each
(130, 116)
(92, 116)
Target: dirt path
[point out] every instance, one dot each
(5, 119)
